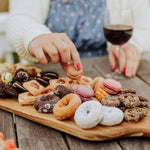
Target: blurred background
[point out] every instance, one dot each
(7, 53)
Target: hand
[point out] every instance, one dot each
(129, 59)
(56, 46)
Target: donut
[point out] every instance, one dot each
(112, 116)
(61, 90)
(46, 103)
(66, 106)
(88, 114)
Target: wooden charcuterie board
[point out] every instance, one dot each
(98, 133)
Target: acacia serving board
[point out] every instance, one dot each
(98, 133)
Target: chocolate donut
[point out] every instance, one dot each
(61, 90)
(46, 103)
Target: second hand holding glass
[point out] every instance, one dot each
(118, 29)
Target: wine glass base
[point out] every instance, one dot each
(116, 75)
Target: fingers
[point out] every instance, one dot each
(73, 53)
(52, 53)
(63, 50)
(122, 61)
(112, 57)
(132, 59)
(39, 54)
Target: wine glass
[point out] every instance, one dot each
(118, 29)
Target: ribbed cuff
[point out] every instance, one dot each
(32, 32)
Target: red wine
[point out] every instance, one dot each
(118, 34)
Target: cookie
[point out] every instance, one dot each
(84, 80)
(10, 89)
(33, 87)
(112, 101)
(46, 103)
(49, 75)
(31, 72)
(111, 86)
(133, 91)
(19, 85)
(73, 73)
(135, 114)
(130, 100)
(21, 75)
(2, 91)
(7, 77)
(95, 82)
(43, 81)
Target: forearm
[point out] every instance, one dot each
(26, 22)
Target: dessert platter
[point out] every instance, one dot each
(92, 109)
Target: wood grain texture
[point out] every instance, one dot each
(34, 136)
(7, 125)
(99, 133)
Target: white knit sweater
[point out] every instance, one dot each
(27, 18)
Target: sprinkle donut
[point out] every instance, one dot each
(112, 116)
(67, 106)
(88, 114)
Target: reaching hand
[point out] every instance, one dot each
(129, 59)
(56, 46)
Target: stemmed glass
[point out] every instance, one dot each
(118, 29)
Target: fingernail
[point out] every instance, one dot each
(78, 66)
(123, 70)
(112, 68)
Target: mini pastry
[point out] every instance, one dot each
(33, 87)
(111, 86)
(100, 93)
(61, 81)
(85, 80)
(27, 98)
(73, 73)
(95, 81)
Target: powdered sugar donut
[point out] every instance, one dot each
(112, 116)
(88, 114)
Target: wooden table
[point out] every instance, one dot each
(29, 135)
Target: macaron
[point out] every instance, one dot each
(111, 86)
(73, 73)
(100, 93)
(84, 92)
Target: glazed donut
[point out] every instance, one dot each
(67, 106)
(88, 114)
(112, 116)
(46, 103)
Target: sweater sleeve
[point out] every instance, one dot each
(26, 21)
(141, 34)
